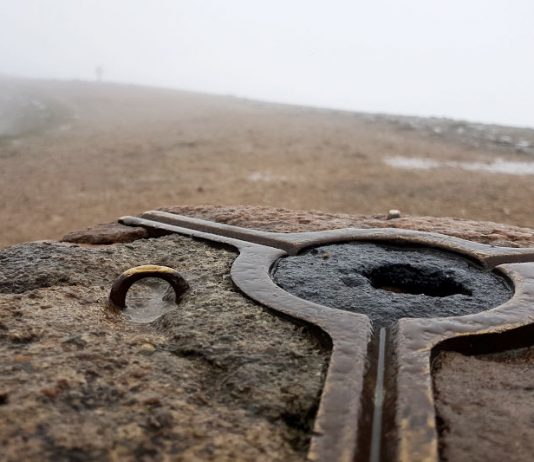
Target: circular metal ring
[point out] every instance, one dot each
(119, 289)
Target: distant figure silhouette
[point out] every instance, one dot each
(99, 72)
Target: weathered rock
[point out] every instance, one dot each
(284, 220)
(215, 378)
(484, 405)
(108, 233)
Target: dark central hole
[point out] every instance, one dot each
(389, 282)
(408, 279)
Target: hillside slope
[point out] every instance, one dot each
(74, 154)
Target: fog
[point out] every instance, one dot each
(463, 59)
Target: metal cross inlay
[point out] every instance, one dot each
(377, 401)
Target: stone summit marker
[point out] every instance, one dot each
(377, 344)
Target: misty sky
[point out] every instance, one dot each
(471, 59)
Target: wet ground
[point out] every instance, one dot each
(497, 166)
(106, 150)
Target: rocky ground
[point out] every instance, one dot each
(73, 154)
(471, 134)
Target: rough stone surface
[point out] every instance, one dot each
(284, 220)
(485, 406)
(215, 378)
(388, 282)
(108, 233)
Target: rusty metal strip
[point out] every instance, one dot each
(293, 243)
(336, 426)
(220, 229)
(169, 228)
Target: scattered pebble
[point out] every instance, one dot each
(147, 349)
(393, 213)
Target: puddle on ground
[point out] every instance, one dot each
(501, 166)
(265, 177)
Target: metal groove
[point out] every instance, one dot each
(376, 432)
